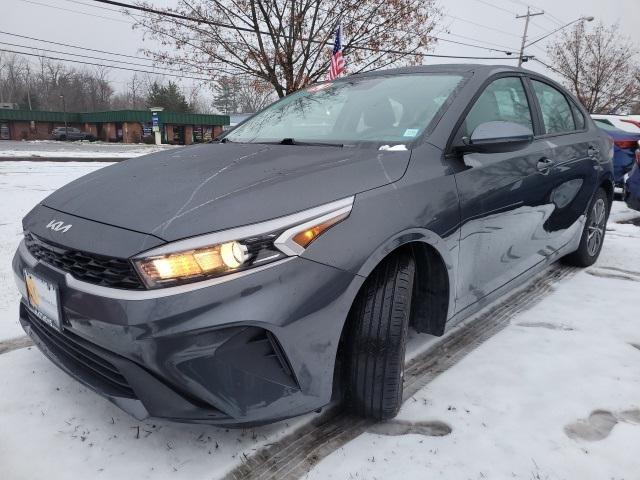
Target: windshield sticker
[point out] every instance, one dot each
(410, 132)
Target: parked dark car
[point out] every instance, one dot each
(71, 133)
(625, 146)
(252, 279)
(632, 187)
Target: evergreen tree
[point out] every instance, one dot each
(167, 96)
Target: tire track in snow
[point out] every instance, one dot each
(293, 456)
(14, 344)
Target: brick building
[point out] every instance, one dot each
(127, 126)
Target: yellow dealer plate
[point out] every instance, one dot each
(44, 299)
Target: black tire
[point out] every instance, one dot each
(594, 232)
(376, 345)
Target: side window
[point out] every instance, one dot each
(503, 100)
(556, 112)
(578, 117)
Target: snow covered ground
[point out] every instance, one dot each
(555, 395)
(22, 186)
(37, 149)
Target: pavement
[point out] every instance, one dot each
(84, 151)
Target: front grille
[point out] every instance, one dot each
(83, 356)
(88, 267)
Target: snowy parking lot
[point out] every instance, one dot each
(545, 386)
(80, 150)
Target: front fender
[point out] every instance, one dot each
(385, 219)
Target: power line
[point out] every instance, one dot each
(97, 58)
(179, 16)
(505, 48)
(73, 46)
(76, 11)
(440, 39)
(125, 55)
(508, 51)
(136, 69)
(540, 27)
(552, 18)
(100, 7)
(477, 25)
(261, 32)
(222, 25)
(489, 4)
(103, 65)
(559, 21)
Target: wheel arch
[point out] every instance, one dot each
(433, 300)
(607, 185)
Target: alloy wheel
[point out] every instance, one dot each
(595, 233)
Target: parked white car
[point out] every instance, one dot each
(628, 123)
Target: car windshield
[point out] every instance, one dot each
(379, 109)
(603, 124)
(606, 126)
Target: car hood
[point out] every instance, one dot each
(205, 188)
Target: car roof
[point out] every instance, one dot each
(447, 68)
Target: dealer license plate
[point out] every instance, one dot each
(44, 299)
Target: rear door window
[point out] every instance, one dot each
(578, 117)
(556, 112)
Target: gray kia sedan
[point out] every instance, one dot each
(258, 277)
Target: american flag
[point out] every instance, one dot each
(337, 61)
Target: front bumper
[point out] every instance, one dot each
(633, 188)
(633, 201)
(249, 350)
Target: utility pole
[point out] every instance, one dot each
(524, 35)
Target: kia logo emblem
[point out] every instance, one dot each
(58, 226)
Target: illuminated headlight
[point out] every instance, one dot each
(222, 253)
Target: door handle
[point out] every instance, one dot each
(544, 164)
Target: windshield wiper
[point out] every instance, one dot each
(292, 141)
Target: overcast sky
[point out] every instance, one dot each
(490, 22)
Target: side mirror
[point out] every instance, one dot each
(498, 137)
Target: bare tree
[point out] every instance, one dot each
(253, 95)
(196, 101)
(135, 92)
(599, 65)
(286, 43)
(40, 88)
(241, 94)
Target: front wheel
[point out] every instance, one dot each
(376, 344)
(593, 234)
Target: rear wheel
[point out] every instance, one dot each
(593, 233)
(376, 344)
